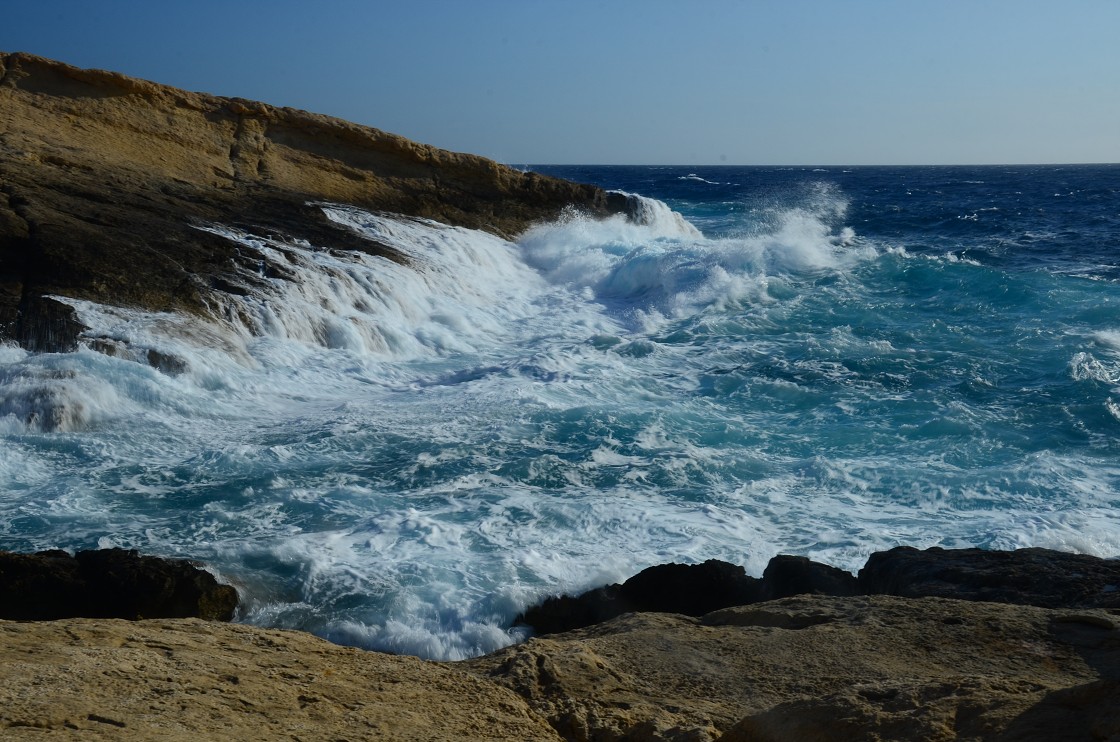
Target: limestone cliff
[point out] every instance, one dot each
(103, 178)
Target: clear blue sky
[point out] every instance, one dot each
(639, 81)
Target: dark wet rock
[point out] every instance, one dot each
(171, 365)
(105, 179)
(1040, 577)
(46, 325)
(561, 613)
(686, 589)
(787, 575)
(108, 583)
(690, 590)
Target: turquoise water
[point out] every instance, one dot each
(824, 362)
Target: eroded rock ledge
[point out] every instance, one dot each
(103, 178)
(805, 666)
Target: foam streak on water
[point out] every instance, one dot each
(405, 456)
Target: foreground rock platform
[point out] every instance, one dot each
(807, 667)
(828, 668)
(193, 680)
(104, 180)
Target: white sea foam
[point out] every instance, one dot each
(405, 456)
(1083, 366)
(460, 287)
(671, 271)
(698, 179)
(53, 396)
(657, 218)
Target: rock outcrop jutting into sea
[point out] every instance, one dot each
(104, 180)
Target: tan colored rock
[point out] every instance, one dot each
(822, 668)
(63, 117)
(802, 668)
(187, 679)
(104, 179)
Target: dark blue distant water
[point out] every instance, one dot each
(1063, 217)
(824, 362)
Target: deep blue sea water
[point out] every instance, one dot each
(825, 362)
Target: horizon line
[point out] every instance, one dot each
(817, 166)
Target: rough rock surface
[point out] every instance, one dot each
(104, 179)
(807, 667)
(803, 668)
(187, 679)
(828, 668)
(1041, 577)
(787, 575)
(109, 583)
(688, 589)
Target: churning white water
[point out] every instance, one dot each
(404, 456)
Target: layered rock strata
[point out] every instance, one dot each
(104, 179)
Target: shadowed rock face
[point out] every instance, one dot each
(108, 583)
(1040, 577)
(688, 589)
(104, 177)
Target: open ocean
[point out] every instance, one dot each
(825, 362)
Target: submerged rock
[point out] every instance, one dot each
(109, 583)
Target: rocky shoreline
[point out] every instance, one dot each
(104, 183)
(104, 178)
(935, 644)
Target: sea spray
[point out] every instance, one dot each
(405, 455)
